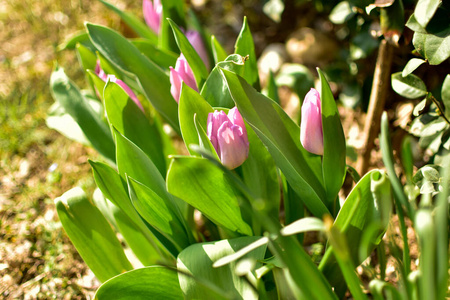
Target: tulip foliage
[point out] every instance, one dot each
(210, 183)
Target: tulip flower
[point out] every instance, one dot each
(196, 41)
(181, 73)
(153, 14)
(228, 137)
(311, 133)
(103, 76)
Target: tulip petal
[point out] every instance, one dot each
(99, 71)
(196, 41)
(235, 117)
(215, 120)
(152, 14)
(181, 73)
(233, 146)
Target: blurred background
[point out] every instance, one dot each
(38, 164)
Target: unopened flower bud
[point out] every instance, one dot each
(153, 14)
(311, 133)
(229, 137)
(181, 73)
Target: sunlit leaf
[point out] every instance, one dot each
(153, 282)
(91, 234)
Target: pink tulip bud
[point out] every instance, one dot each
(103, 76)
(311, 134)
(196, 41)
(181, 73)
(229, 137)
(153, 14)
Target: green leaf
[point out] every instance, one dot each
(293, 205)
(305, 279)
(67, 94)
(414, 25)
(124, 115)
(426, 233)
(204, 142)
(341, 252)
(153, 282)
(382, 290)
(198, 260)
(97, 82)
(441, 227)
(153, 80)
(204, 186)
(410, 86)
(79, 37)
(445, 94)
(303, 225)
(241, 252)
(192, 57)
(134, 163)
(333, 163)
(162, 57)
(342, 12)
(215, 89)
(281, 136)
(425, 10)
(245, 47)
(159, 213)
(272, 88)
(58, 119)
(131, 20)
(173, 9)
(388, 160)
(91, 235)
(259, 174)
(411, 66)
(191, 103)
(364, 206)
(144, 250)
(218, 51)
(114, 189)
(87, 58)
(434, 47)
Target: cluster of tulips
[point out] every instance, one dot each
(226, 221)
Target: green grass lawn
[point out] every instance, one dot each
(37, 164)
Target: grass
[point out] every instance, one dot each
(37, 259)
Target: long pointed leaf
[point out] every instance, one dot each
(333, 165)
(153, 282)
(124, 115)
(204, 186)
(91, 234)
(66, 93)
(245, 47)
